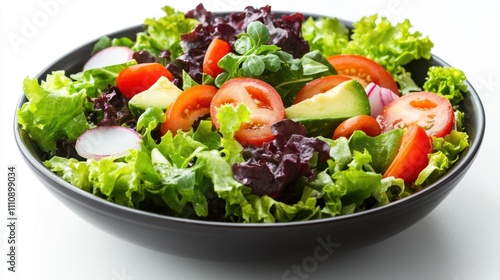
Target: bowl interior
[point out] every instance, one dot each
(349, 230)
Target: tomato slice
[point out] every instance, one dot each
(138, 78)
(364, 70)
(365, 123)
(320, 85)
(263, 101)
(431, 111)
(412, 156)
(217, 49)
(188, 107)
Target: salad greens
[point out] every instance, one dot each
(38, 118)
(392, 46)
(207, 174)
(448, 82)
(254, 57)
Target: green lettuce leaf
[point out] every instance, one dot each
(447, 151)
(115, 180)
(392, 46)
(350, 178)
(95, 81)
(449, 82)
(269, 210)
(230, 119)
(325, 34)
(164, 33)
(52, 113)
(106, 42)
(383, 148)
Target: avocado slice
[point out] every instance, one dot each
(161, 94)
(322, 113)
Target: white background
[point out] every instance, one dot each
(459, 240)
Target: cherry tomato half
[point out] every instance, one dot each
(364, 70)
(217, 49)
(188, 107)
(138, 78)
(320, 85)
(365, 123)
(412, 156)
(431, 111)
(263, 101)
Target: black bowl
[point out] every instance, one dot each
(228, 241)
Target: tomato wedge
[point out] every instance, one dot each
(365, 123)
(138, 78)
(263, 101)
(319, 85)
(431, 111)
(217, 49)
(188, 107)
(412, 156)
(364, 70)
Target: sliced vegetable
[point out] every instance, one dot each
(104, 141)
(109, 56)
(365, 123)
(319, 85)
(217, 49)
(379, 97)
(263, 101)
(363, 69)
(161, 94)
(412, 156)
(138, 78)
(190, 105)
(322, 113)
(432, 112)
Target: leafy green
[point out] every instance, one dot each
(350, 179)
(325, 34)
(269, 210)
(390, 45)
(164, 33)
(449, 82)
(447, 151)
(230, 119)
(254, 58)
(105, 42)
(383, 147)
(39, 118)
(97, 80)
(116, 180)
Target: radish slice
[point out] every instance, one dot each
(109, 56)
(107, 141)
(379, 97)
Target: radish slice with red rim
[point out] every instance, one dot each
(109, 56)
(104, 141)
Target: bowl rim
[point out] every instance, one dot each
(462, 164)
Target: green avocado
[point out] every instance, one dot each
(322, 113)
(161, 94)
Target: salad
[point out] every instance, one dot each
(251, 116)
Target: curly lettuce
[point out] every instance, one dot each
(449, 82)
(52, 113)
(390, 45)
(447, 151)
(327, 35)
(164, 33)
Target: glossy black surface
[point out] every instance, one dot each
(238, 242)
